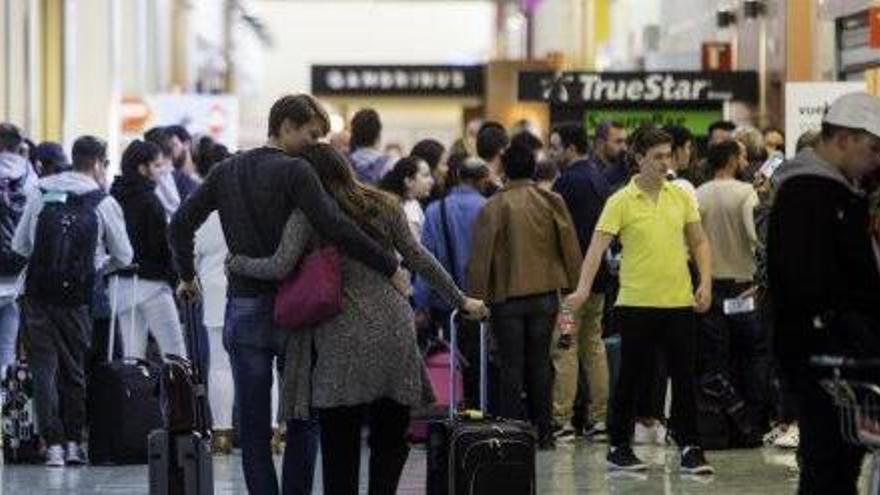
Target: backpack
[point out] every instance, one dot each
(12, 202)
(62, 266)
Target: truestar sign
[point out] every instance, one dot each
(651, 87)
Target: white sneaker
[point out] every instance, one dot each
(55, 456)
(790, 440)
(564, 435)
(75, 454)
(661, 433)
(644, 435)
(775, 434)
(597, 433)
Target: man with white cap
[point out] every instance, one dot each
(824, 278)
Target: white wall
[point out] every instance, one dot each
(334, 31)
(629, 18)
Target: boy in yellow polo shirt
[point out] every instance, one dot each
(656, 304)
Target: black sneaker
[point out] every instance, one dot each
(624, 459)
(694, 462)
(547, 443)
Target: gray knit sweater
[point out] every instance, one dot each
(368, 351)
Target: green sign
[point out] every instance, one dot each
(696, 120)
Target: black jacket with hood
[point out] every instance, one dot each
(147, 226)
(822, 266)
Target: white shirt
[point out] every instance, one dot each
(211, 251)
(415, 216)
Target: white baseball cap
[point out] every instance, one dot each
(855, 111)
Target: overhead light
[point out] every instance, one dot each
(752, 9)
(725, 18)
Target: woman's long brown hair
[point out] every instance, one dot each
(366, 205)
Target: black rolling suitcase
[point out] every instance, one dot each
(122, 405)
(181, 461)
(469, 454)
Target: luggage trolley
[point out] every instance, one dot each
(858, 404)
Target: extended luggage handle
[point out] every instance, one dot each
(114, 307)
(453, 364)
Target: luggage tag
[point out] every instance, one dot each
(739, 305)
(55, 197)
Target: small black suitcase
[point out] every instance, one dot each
(21, 441)
(469, 454)
(181, 461)
(180, 464)
(122, 403)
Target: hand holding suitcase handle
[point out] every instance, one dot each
(453, 364)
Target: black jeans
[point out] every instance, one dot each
(828, 463)
(523, 328)
(642, 331)
(58, 341)
(341, 446)
(735, 352)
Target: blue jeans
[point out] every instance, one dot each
(9, 323)
(254, 344)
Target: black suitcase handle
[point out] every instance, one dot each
(453, 364)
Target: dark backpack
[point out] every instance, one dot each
(61, 270)
(12, 202)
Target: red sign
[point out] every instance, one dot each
(717, 56)
(874, 27)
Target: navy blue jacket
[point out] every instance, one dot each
(585, 190)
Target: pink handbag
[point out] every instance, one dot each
(313, 292)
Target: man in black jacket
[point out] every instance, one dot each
(255, 192)
(823, 276)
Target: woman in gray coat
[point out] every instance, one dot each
(364, 362)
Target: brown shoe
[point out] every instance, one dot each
(222, 442)
(277, 441)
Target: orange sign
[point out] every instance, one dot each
(717, 56)
(874, 27)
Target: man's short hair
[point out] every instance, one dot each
(718, 155)
(86, 151)
(300, 109)
(546, 170)
(519, 162)
(648, 137)
(366, 129)
(180, 131)
(161, 137)
(491, 140)
(603, 130)
(808, 139)
(573, 135)
(429, 150)
(10, 138)
(681, 135)
(473, 169)
(721, 125)
(529, 140)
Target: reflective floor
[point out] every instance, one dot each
(568, 470)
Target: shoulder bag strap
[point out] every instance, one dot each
(447, 237)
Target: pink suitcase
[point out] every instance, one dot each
(437, 366)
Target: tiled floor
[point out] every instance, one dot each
(570, 470)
